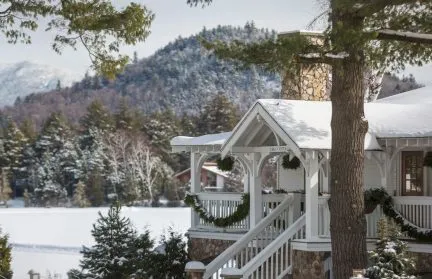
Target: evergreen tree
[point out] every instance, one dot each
(49, 192)
(5, 189)
(53, 135)
(13, 145)
(124, 119)
(390, 259)
(5, 257)
(55, 164)
(135, 57)
(170, 257)
(95, 192)
(58, 86)
(97, 118)
(80, 196)
(161, 127)
(219, 115)
(117, 250)
(28, 129)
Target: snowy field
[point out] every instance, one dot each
(49, 239)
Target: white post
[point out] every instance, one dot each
(294, 211)
(195, 172)
(312, 196)
(246, 182)
(256, 206)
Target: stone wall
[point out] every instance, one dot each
(205, 250)
(423, 262)
(309, 265)
(307, 81)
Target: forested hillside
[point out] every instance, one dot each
(181, 76)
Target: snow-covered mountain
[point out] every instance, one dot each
(24, 78)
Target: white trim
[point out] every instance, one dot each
(323, 244)
(214, 235)
(243, 125)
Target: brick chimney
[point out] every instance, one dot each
(309, 81)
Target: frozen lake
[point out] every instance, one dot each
(50, 238)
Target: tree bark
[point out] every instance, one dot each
(347, 218)
(348, 222)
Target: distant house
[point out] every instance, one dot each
(212, 178)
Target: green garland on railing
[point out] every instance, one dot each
(379, 196)
(241, 213)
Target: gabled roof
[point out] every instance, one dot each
(306, 124)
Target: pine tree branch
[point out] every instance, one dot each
(410, 37)
(318, 58)
(370, 7)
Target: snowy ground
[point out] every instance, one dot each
(50, 238)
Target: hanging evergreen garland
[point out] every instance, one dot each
(225, 164)
(379, 196)
(292, 164)
(428, 160)
(241, 213)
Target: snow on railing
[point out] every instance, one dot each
(249, 245)
(275, 260)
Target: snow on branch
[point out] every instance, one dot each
(370, 7)
(326, 58)
(410, 37)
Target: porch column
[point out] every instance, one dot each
(311, 185)
(246, 182)
(195, 180)
(255, 191)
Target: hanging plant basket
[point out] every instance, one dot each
(428, 160)
(225, 164)
(292, 164)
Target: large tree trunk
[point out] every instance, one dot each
(348, 222)
(349, 127)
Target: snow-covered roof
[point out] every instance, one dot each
(211, 167)
(418, 96)
(214, 169)
(307, 123)
(213, 139)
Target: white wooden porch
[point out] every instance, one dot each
(417, 210)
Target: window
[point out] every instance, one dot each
(412, 173)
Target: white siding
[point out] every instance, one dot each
(220, 181)
(371, 175)
(291, 180)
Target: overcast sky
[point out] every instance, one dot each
(174, 18)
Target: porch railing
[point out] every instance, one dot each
(417, 210)
(224, 204)
(270, 202)
(221, 205)
(275, 260)
(324, 219)
(245, 249)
